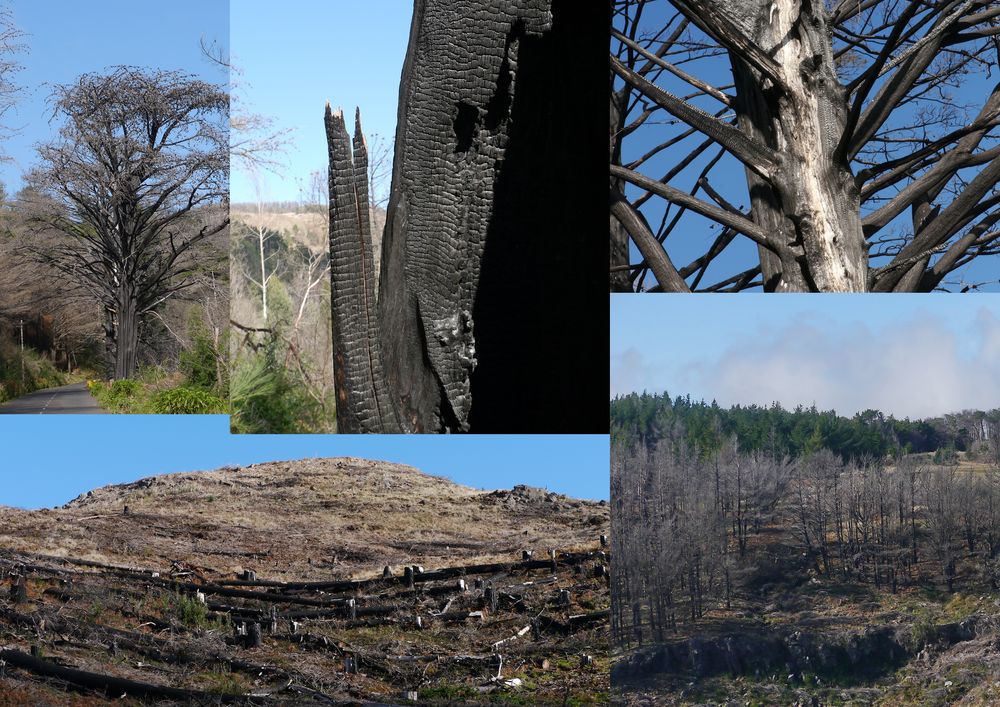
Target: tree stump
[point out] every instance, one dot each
(564, 597)
(19, 590)
(352, 609)
(492, 599)
(604, 541)
(525, 555)
(253, 637)
(387, 572)
(408, 577)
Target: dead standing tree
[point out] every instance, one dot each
(491, 267)
(840, 115)
(137, 179)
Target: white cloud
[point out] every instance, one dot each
(919, 367)
(630, 372)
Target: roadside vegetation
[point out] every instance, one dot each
(198, 386)
(23, 373)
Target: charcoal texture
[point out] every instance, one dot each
(492, 308)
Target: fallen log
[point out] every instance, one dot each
(516, 636)
(573, 622)
(110, 685)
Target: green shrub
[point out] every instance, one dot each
(946, 456)
(187, 401)
(203, 363)
(269, 399)
(125, 388)
(190, 612)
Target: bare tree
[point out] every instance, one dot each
(137, 178)
(862, 171)
(992, 429)
(255, 144)
(265, 265)
(11, 46)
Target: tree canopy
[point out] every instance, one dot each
(865, 134)
(137, 178)
(647, 418)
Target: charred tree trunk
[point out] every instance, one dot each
(812, 200)
(363, 403)
(491, 265)
(125, 333)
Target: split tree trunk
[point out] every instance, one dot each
(363, 403)
(814, 202)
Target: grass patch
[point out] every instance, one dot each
(224, 682)
(187, 401)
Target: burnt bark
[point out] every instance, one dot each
(362, 398)
(491, 268)
(123, 336)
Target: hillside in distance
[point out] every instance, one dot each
(286, 246)
(867, 434)
(308, 580)
(292, 519)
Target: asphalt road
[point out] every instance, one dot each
(72, 399)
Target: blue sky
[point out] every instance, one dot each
(66, 39)
(294, 56)
(913, 355)
(50, 459)
(694, 233)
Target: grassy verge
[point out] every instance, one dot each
(156, 393)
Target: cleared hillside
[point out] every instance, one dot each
(168, 581)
